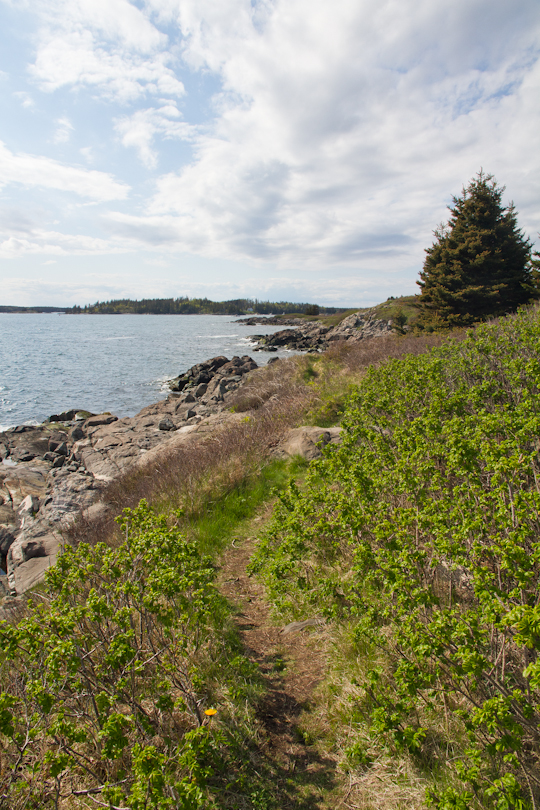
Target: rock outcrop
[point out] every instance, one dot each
(313, 336)
(50, 472)
(307, 442)
(204, 379)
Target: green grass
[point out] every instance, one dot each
(406, 304)
(229, 514)
(329, 320)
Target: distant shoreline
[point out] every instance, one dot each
(183, 305)
(68, 311)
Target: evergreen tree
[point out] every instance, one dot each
(479, 265)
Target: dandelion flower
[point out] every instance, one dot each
(210, 712)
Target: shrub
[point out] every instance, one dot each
(423, 529)
(102, 686)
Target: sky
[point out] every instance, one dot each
(299, 150)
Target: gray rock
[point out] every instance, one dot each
(29, 505)
(313, 336)
(21, 454)
(201, 390)
(100, 419)
(166, 424)
(203, 373)
(76, 434)
(307, 442)
(30, 573)
(6, 541)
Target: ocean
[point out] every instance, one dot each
(50, 363)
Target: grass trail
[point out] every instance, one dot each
(292, 664)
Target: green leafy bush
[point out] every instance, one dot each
(424, 530)
(102, 685)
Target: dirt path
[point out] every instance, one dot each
(292, 664)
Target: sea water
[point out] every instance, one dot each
(50, 363)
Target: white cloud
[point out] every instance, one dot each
(34, 170)
(41, 242)
(140, 129)
(335, 136)
(110, 45)
(342, 130)
(88, 153)
(63, 131)
(30, 290)
(25, 98)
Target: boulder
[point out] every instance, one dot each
(6, 541)
(28, 506)
(22, 454)
(30, 573)
(200, 373)
(307, 442)
(76, 434)
(68, 416)
(36, 541)
(314, 337)
(100, 419)
(166, 424)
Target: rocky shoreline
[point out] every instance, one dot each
(52, 472)
(313, 336)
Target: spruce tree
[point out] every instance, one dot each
(479, 265)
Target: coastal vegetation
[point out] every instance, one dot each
(183, 305)
(480, 263)
(418, 537)
(198, 306)
(406, 558)
(415, 541)
(107, 676)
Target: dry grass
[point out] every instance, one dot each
(356, 357)
(192, 474)
(275, 398)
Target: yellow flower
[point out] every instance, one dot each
(210, 712)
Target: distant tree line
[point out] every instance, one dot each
(32, 309)
(199, 306)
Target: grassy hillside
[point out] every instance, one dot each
(419, 538)
(403, 307)
(153, 672)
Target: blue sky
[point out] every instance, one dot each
(279, 149)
